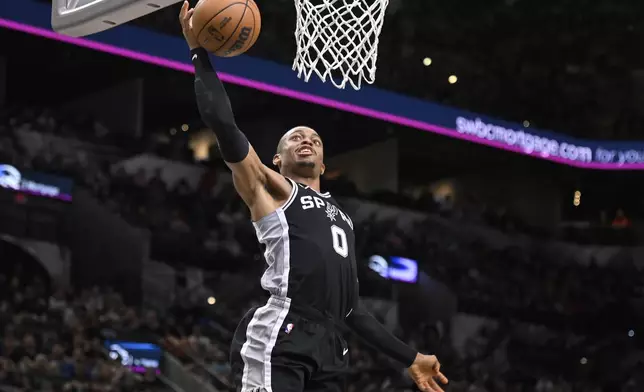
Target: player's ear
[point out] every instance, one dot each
(322, 169)
(277, 160)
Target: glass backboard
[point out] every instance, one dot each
(78, 18)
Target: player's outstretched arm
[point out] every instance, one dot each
(423, 369)
(250, 175)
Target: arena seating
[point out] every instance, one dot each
(547, 329)
(86, 156)
(51, 341)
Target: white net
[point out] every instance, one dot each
(338, 40)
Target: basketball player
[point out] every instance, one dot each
(293, 343)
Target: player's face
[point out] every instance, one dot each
(302, 152)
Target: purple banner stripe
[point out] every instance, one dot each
(62, 196)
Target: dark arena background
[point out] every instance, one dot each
(494, 174)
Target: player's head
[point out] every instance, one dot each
(300, 152)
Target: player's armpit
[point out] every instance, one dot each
(262, 189)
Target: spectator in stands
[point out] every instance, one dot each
(620, 221)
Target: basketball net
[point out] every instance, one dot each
(338, 40)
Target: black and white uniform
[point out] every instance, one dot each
(291, 344)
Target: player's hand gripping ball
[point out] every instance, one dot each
(226, 28)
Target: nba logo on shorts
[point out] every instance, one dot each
(289, 328)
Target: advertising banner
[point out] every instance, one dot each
(399, 269)
(35, 183)
(136, 356)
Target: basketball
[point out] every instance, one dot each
(226, 28)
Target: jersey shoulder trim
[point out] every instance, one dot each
(290, 199)
(325, 194)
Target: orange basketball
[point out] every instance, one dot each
(226, 28)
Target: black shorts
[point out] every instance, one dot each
(277, 348)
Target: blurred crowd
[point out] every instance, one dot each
(85, 150)
(548, 331)
(534, 284)
(52, 341)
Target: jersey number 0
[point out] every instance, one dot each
(340, 244)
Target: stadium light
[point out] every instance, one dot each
(452, 79)
(427, 61)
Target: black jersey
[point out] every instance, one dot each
(310, 251)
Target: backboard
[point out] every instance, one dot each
(336, 39)
(78, 18)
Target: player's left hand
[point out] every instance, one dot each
(425, 371)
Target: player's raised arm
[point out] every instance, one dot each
(250, 175)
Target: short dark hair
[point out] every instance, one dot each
(280, 145)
